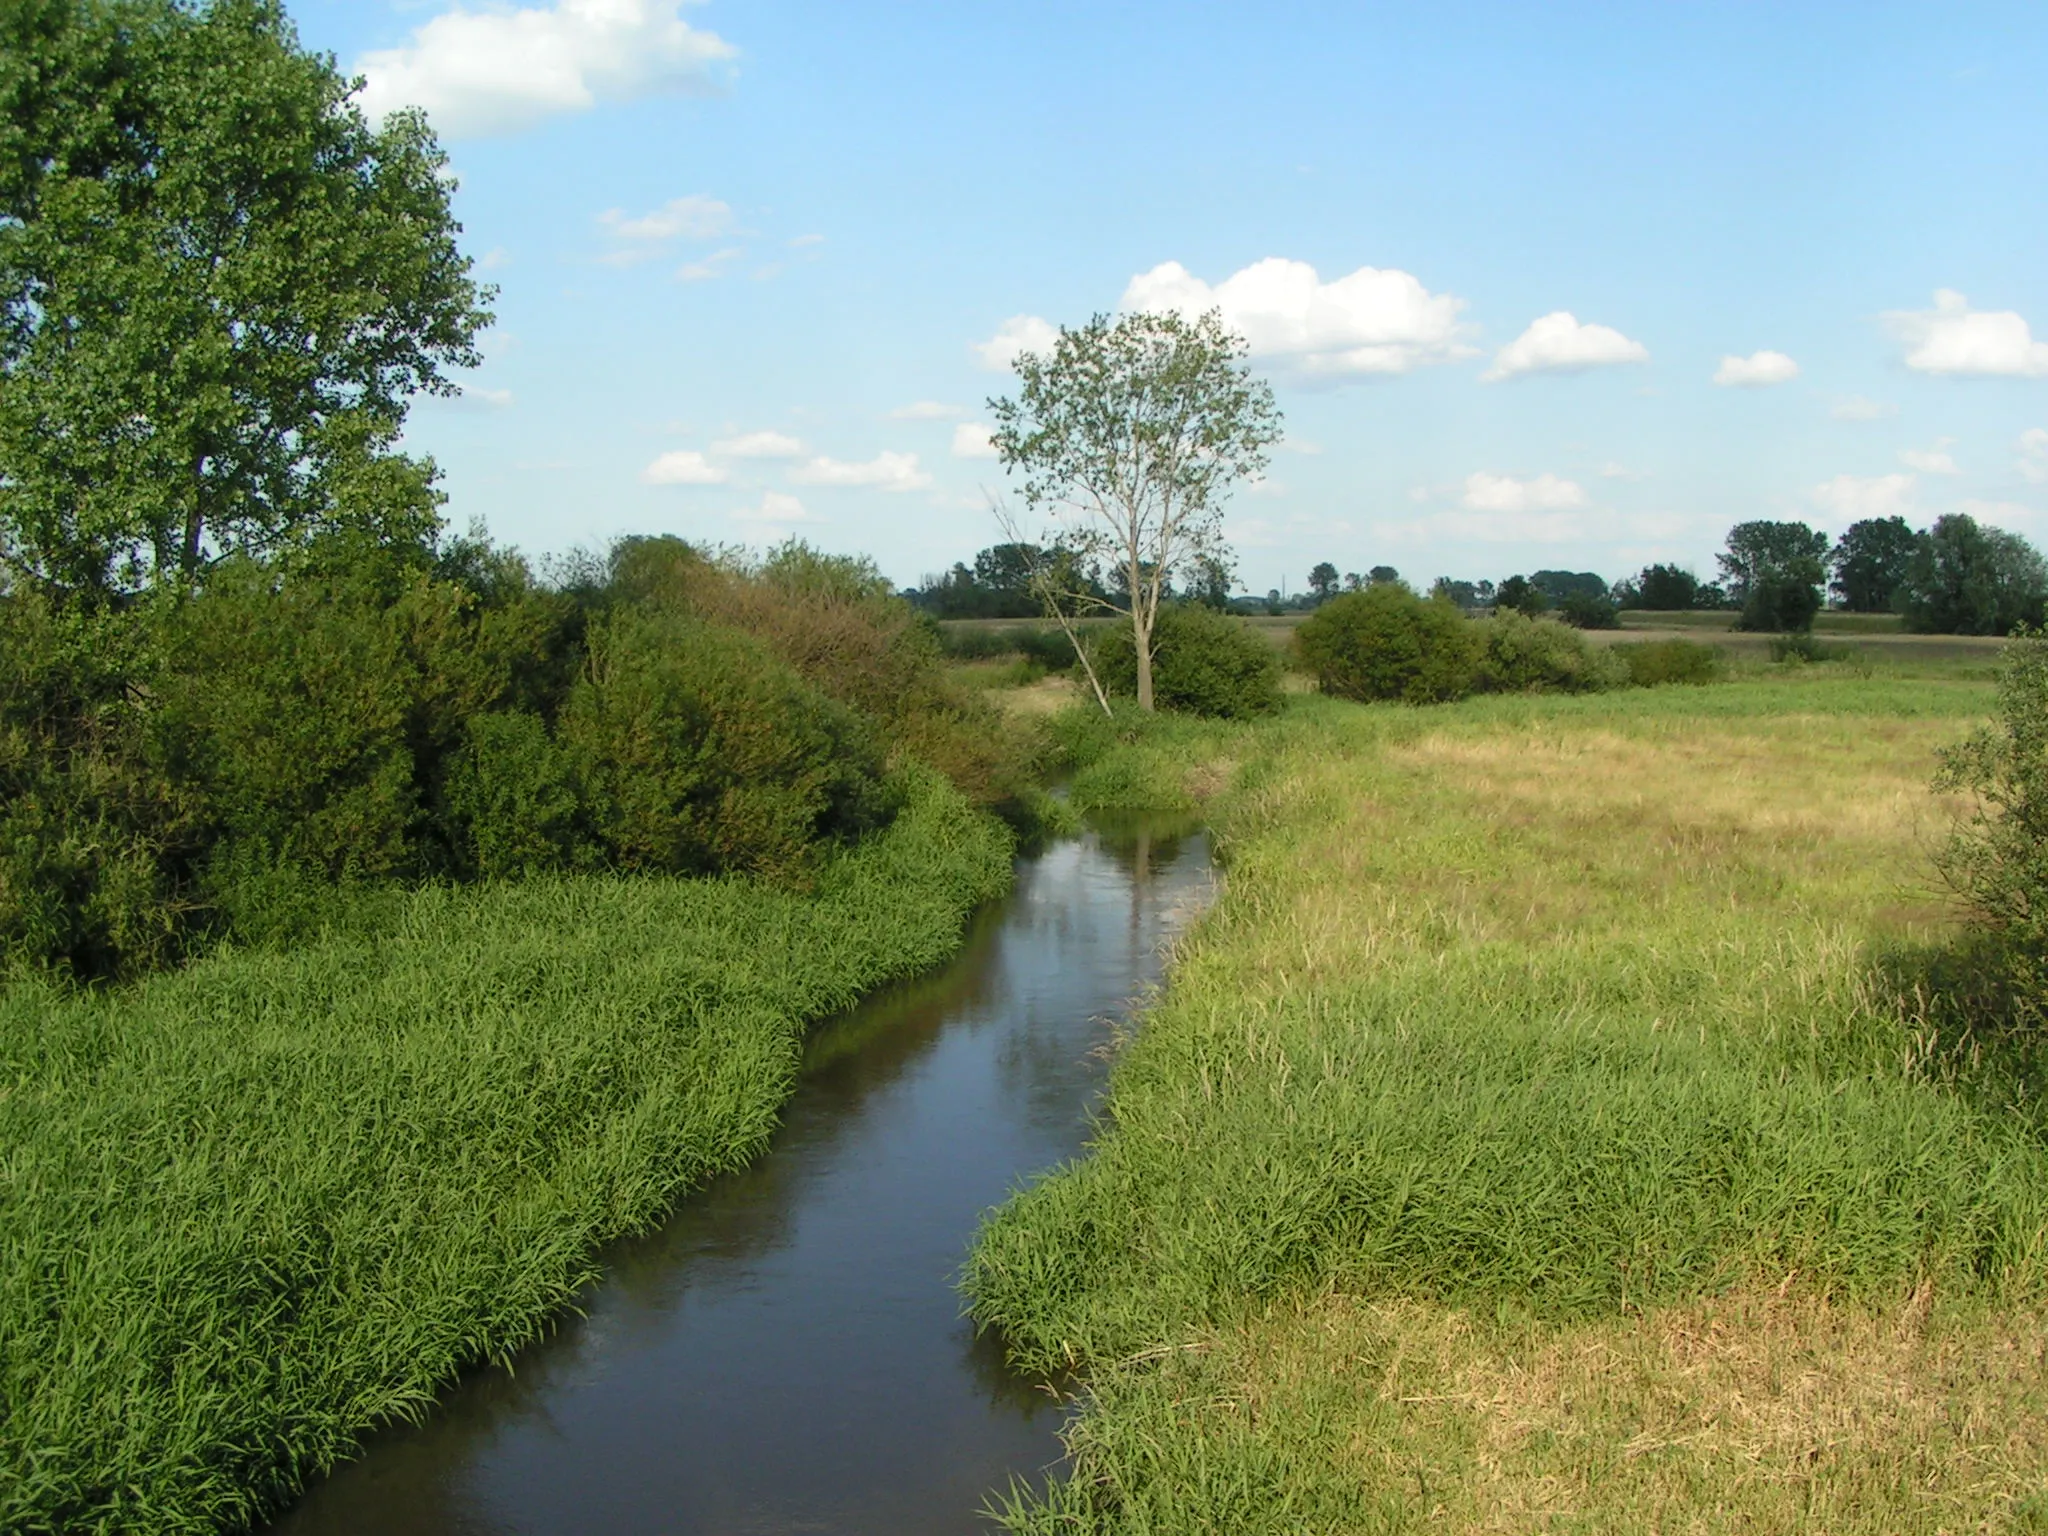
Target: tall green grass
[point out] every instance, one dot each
(1549, 1009)
(253, 1208)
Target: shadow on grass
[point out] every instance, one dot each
(1978, 1015)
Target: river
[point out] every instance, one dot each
(786, 1353)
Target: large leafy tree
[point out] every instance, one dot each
(1133, 431)
(1870, 561)
(1967, 579)
(1774, 573)
(219, 287)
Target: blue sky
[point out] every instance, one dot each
(756, 258)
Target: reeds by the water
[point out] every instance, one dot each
(251, 1209)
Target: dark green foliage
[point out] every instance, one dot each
(1870, 561)
(698, 752)
(1203, 663)
(1386, 643)
(1801, 646)
(1997, 858)
(515, 805)
(1667, 589)
(1518, 594)
(1967, 579)
(258, 1206)
(1524, 655)
(1581, 610)
(1774, 573)
(1323, 581)
(1653, 663)
(1562, 586)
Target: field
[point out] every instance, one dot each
(253, 1207)
(1562, 1123)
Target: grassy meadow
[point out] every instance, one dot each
(1561, 1123)
(255, 1206)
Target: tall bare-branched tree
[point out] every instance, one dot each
(1130, 434)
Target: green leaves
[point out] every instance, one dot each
(220, 288)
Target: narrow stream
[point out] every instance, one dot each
(786, 1354)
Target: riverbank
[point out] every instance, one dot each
(252, 1208)
(1555, 1126)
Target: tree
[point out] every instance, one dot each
(219, 288)
(1382, 575)
(1322, 581)
(1667, 589)
(1774, 573)
(1520, 595)
(1558, 586)
(1967, 579)
(1135, 430)
(1870, 561)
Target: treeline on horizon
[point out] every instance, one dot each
(1957, 576)
(253, 756)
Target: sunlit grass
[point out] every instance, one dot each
(1547, 1027)
(252, 1208)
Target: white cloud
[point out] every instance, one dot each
(2033, 460)
(802, 242)
(1372, 321)
(778, 510)
(1756, 370)
(1504, 493)
(480, 72)
(1298, 445)
(927, 410)
(1013, 338)
(711, 266)
(497, 71)
(493, 259)
(885, 472)
(759, 445)
(1612, 470)
(695, 217)
(971, 441)
(1862, 408)
(497, 397)
(1853, 498)
(1932, 461)
(1558, 343)
(683, 466)
(1953, 338)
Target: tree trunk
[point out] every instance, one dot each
(1141, 637)
(195, 521)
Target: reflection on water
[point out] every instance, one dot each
(786, 1354)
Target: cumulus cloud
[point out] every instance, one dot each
(1013, 338)
(2033, 455)
(971, 441)
(683, 466)
(1953, 338)
(1756, 370)
(884, 472)
(778, 510)
(1372, 321)
(496, 71)
(1932, 461)
(927, 410)
(499, 398)
(1504, 493)
(1558, 343)
(695, 217)
(1852, 498)
(759, 445)
(1862, 408)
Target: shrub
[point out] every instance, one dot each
(1997, 858)
(1585, 610)
(1203, 663)
(1525, 655)
(1801, 646)
(514, 802)
(1653, 663)
(1387, 643)
(699, 752)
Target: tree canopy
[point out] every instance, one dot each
(1134, 431)
(1870, 561)
(1964, 578)
(1774, 572)
(220, 285)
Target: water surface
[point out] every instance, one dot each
(786, 1353)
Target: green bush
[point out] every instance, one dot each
(699, 752)
(1997, 857)
(1203, 663)
(1386, 643)
(514, 802)
(1652, 663)
(1525, 655)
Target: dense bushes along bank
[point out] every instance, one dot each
(255, 1206)
(1524, 1026)
(251, 759)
